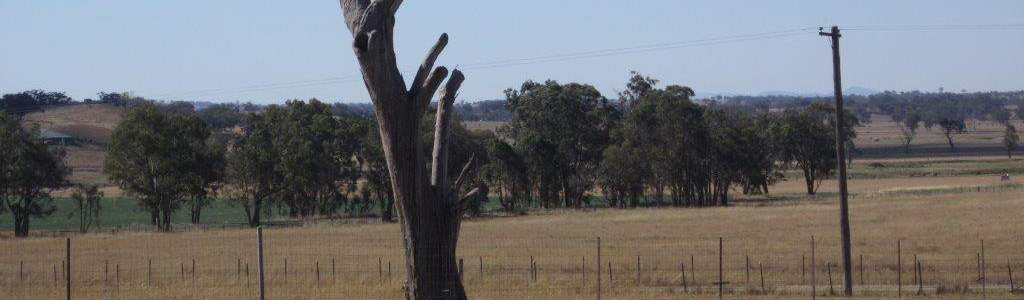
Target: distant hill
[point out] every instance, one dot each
(90, 122)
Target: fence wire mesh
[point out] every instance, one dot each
(333, 265)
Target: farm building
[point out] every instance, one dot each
(53, 137)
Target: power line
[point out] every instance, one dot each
(518, 62)
(936, 27)
(599, 53)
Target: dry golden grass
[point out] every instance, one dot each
(944, 231)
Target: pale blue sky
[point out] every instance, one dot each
(164, 49)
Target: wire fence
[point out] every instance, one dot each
(226, 265)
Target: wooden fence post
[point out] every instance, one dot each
(106, 269)
(913, 269)
(747, 267)
(182, 265)
(831, 290)
(193, 270)
(263, 287)
(984, 280)
(761, 268)
(285, 271)
(481, 258)
(598, 268)
(149, 274)
(117, 274)
(21, 271)
(862, 269)
(920, 279)
(803, 269)
(682, 269)
(638, 280)
(54, 274)
(611, 279)
(318, 273)
(899, 268)
(583, 270)
(530, 269)
(389, 269)
(1009, 270)
(67, 276)
(814, 271)
(247, 278)
(380, 270)
(461, 270)
(721, 277)
(333, 276)
(238, 269)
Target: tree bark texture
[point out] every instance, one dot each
(427, 206)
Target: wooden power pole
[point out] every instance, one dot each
(844, 211)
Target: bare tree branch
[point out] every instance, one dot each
(423, 96)
(463, 202)
(442, 128)
(467, 171)
(428, 63)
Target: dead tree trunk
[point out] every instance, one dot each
(427, 206)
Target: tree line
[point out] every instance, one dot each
(566, 146)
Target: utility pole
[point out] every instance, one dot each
(844, 210)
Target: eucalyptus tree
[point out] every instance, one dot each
(561, 129)
(157, 156)
(29, 172)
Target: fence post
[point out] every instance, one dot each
(814, 271)
(583, 270)
(380, 270)
(530, 269)
(182, 264)
(803, 269)
(913, 269)
(389, 270)
(318, 273)
(67, 275)
(461, 270)
(333, 276)
(761, 268)
(638, 280)
(693, 271)
(193, 271)
(149, 274)
(721, 277)
(263, 291)
(862, 269)
(54, 274)
(831, 290)
(682, 269)
(238, 269)
(899, 268)
(117, 274)
(106, 269)
(599, 268)
(285, 271)
(611, 280)
(984, 281)
(747, 267)
(1009, 270)
(247, 280)
(920, 279)
(481, 266)
(21, 271)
